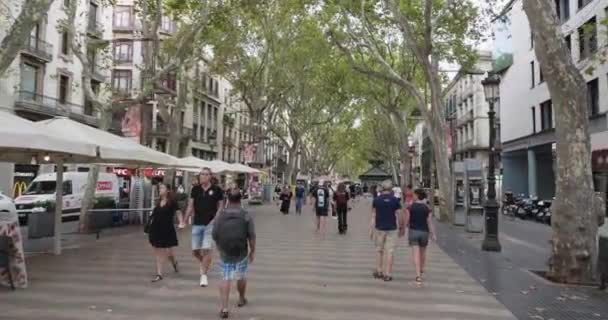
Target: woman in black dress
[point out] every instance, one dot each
(162, 233)
(285, 198)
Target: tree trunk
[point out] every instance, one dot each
(31, 13)
(293, 160)
(442, 165)
(574, 223)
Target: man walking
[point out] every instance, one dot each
(234, 234)
(386, 217)
(205, 202)
(300, 193)
(321, 206)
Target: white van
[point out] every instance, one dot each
(42, 189)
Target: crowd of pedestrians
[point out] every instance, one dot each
(219, 220)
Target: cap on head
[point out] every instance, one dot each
(387, 185)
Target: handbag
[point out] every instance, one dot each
(148, 224)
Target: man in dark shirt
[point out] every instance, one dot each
(234, 234)
(386, 218)
(205, 202)
(300, 194)
(321, 206)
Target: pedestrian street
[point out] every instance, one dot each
(296, 276)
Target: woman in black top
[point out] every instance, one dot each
(162, 235)
(418, 218)
(285, 198)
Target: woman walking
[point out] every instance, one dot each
(285, 198)
(341, 203)
(162, 235)
(420, 222)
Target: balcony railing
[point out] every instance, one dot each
(36, 103)
(464, 119)
(128, 27)
(39, 49)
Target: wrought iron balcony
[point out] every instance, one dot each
(31, 102)
(38, 48)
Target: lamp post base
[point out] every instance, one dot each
(491, 244)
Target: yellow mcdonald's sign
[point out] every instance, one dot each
(18, 188)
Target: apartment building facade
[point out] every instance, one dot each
(46, 78)
(201, 119)
(466, 110)
(527, 116)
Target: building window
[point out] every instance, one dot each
(30, 75)
(541, 78)
(123, 51)
(88, 105)
(562, 9)
(568, 40)
(593, 97)
(546, 115)
(64, 88)
(65, 42)
(93, 15)
(166, 24)
(582, 3)
(123, 18)
(533, 120)
(587, 38)
(121, 80)
(533, 81)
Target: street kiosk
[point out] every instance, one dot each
(458, 169)
(474, 184)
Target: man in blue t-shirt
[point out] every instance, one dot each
(386, 219)
(300, 194)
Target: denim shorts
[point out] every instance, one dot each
(202, 237)
(234, 270)
(418, 238)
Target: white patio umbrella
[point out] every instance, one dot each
(192, 163)
(219, 166)
(241, 168)
(112, 148)
(23, 141)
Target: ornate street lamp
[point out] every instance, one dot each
(491, 206)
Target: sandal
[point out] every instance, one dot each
(378, 275)
(242, 303)
(418, 281)
(388, 278)
(224, 314)
(157, 278)
(175, 267)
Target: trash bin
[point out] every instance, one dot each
(41, 223)
(602, 261)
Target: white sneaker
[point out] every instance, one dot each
(204, 281)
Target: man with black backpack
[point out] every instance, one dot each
(234, 235)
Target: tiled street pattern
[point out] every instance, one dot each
(296, 276)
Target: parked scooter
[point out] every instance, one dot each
(527, 208)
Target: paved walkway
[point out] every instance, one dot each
(296, 276)
(525, 247)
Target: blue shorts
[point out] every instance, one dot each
(234, 270)
(202, 237)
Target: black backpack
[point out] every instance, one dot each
(232, 234)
